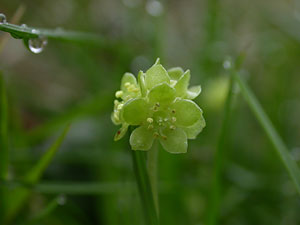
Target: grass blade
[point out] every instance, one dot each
(139, 165)
(19, 196)
(214, 203)
(275, 139)
(3, 144)
(24, 32)
(52, 205)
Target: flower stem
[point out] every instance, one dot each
(152, 171)
(144, 186)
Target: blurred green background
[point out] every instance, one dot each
(76, 83)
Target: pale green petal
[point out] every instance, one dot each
(157, 74)
(182, 84)
(135, 111)
(141, 80)
(141, 139)
(186, 112)
(127, 78)
(162, 93)
(174, 141)
(193, 92)
(121, 132)
(195, 129)
(175, 73)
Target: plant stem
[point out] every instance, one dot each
(152, 171)
(144, 186)
(274, 137)
(214, 208)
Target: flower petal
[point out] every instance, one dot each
(121, 132)
(193, 92)
(141, 139)
(195, 129)
(186, 112)
(182, 84)
(135, 111)
(174, 141)
(175, 73)
(162, 93)
(157, 74)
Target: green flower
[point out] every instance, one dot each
(160, 105)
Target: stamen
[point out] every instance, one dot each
(120, 106)
(119, 94)
(173, 119)
(127, 84)
(172, 127)
(155, 134)
(173, 111)
(149, 120)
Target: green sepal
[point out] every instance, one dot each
(174, 141)
(195, 129)
(175, 73)
(193, 92)
(182, 84)
(141, 138)
(121, 132)
(135, 111)
(157, 74)
(186, 112)
(162, 94)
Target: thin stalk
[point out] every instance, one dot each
(3, 145)
(152, 171)
(144, 186)
(271, 132)
(24, 32)
(214, 209)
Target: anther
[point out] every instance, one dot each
(149, 120)
(172, 127)
(155, 134)
(119, 94)
(120, 106)
(173, 111)
(157, 104)
(173, 119)
(150, 127)
(127, 84)
(166, 119)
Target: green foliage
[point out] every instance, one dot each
(163, 110)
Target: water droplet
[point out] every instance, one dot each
(61, 200)
(35, 31)
(24, 25)
(2, 18)
(37, 45)
(227, 64)
(154, 8)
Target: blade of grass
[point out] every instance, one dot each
(214, 203)
(271, 132)
(19, 196)
(15, 19)
(139, 165)
(52, 205)
(89, 107)
(24, 32)
(3, 144)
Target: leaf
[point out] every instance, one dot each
(25, 33)
(18, 197)
(271, 132)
